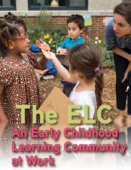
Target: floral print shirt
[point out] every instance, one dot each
(21, 87)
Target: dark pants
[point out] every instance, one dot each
(67, 90)
(121, 65)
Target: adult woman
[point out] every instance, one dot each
(118, 39)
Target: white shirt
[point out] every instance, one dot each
(84, 98)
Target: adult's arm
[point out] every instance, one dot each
(122, 53)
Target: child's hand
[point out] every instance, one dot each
(48, 55)
(43, 72)
(63, 51)
(42, 45)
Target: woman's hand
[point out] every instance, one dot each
(42, 45)
(48, 55)
(122, 53)
(125, 76)
(127, 72)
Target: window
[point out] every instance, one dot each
(7, 5)
(60, 4)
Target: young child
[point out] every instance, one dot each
(84, 69)
(18, 81)
(75, 25)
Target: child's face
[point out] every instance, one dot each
(74, 31)
(21, 44)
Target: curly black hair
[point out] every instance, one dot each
(9, 15)
(9, 28)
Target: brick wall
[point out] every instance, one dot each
(97, 30)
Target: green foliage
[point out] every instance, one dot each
(54, 42)
(108, 60)
(43, 25)
(57, 41)
(107, 56)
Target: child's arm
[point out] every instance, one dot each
(3, 119)
(127, 72)
(41, 63)
(37, 63)
(61, 70)
(45, 71)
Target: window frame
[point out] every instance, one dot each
(9, 8)
(59, 8)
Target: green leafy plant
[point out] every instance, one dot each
(107, 56)
(54, 41)
(108, 60)
(43, 25)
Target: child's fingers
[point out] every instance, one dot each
(38, 46)
(38, 42)
(47, 54)
(42, 41)
(44, 52)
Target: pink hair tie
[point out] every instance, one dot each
(96, 69)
